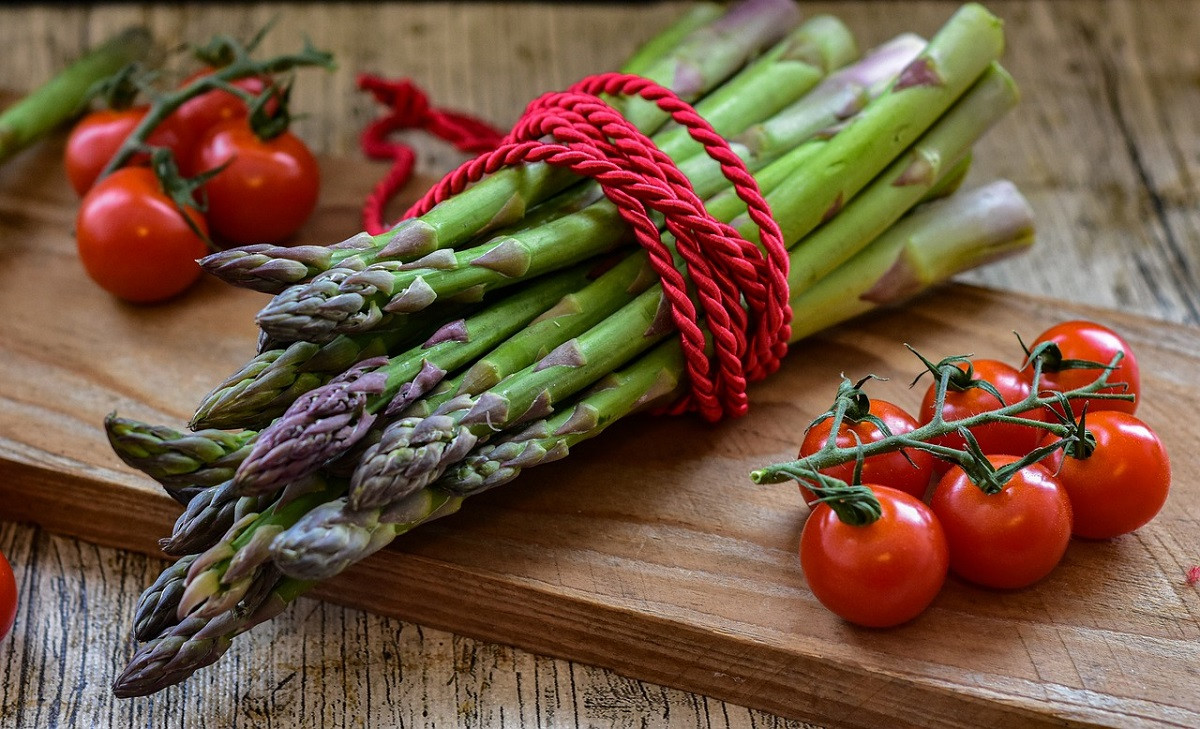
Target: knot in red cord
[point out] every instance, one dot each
(740, 288)
(409, 108)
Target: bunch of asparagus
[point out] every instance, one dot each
(399, 374)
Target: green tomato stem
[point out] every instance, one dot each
(242, 67)
(831, 455)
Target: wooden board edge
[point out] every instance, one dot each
(766, 678)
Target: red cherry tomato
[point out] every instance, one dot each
(1009, 539)
(133, 241)
(201, 113)
(8, 598)
(909, 475)
(1122, 484)
(1013, 386)
(267, 191)
(881, 574)
(96, 138)
(1085, 340)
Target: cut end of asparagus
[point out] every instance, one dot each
(976, 228)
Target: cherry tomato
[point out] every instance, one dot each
(1122, 484)
(8, 598)
(881, 574)
(132, 239)
(1085, 340)
(1013, 386)
(890, 469)
(96, 138)
(267, 191)
(199, 114)
(1008, 539)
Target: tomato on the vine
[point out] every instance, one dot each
(1091, 342)
(910, 475)
(1013, 387)
(1008, 539)
(268, 188)
(97, 137)
(201, 113)
(1122, 483)
(8, 598)
(133, 240)
(879, 574)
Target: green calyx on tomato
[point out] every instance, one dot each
(1071, 353)
(879, 574)
(1007, 539)
(1123, 481)
(263, 190)
(856, 420)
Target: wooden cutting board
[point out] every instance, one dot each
(648, 550)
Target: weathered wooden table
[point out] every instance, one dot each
(1106, 145)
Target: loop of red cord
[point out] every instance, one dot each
(740, 289)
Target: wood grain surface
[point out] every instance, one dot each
(1104, 145)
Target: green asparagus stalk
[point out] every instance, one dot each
(955, 58)
(654, 378)
(658, 47)
(65, 95)
(935, 242)
(265, 386)
(326, 422)
(174, 459)
(907, 180)
(503, 199)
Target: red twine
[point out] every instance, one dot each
(741, 289)
(409, 108)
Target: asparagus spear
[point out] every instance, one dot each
(196, 642)
(907, 180)
(665, 41)
(65, 95)
(265, 386)
(701, 61)
(221, 576)
(157, 606)
(207, 517)
(174, 459)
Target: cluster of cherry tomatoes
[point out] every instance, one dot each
(936, 519)
(139, 241)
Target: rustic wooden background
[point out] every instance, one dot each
(1106, 145)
